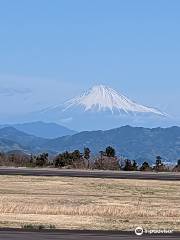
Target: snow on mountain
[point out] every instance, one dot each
(102, 98)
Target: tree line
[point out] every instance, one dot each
(106, 160)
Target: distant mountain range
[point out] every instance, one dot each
(132, 142)
(42, 129)
(13, 139)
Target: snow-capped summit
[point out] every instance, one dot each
(103, 98)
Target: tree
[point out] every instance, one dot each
(145, 166)
(42, 159)
(178, 163)
(60, 161)
(102, 153)
(12, 158)
(31, 159)
(71, 159)
(127, 165)
(76, 155)
(87, 154)
(106, 163)
(159, 164)
(3, 159)
(177, 167)
(78, 160)
(134, 166)
(160, 167)
(110, 152)
(158, 161)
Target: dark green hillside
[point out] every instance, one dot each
(133, 142)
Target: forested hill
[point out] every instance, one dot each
(133, 142)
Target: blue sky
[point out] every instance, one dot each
(52, 50)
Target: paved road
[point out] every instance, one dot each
(78, 235)
(92, 174)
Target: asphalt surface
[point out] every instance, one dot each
(80, 235)
(91, 174)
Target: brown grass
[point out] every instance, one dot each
(85, 203)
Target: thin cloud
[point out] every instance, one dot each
(12, 91)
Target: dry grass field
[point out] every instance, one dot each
(86, 203)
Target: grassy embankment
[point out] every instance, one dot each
(86, 203)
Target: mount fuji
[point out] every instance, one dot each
(102, 98)
(102, 107)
